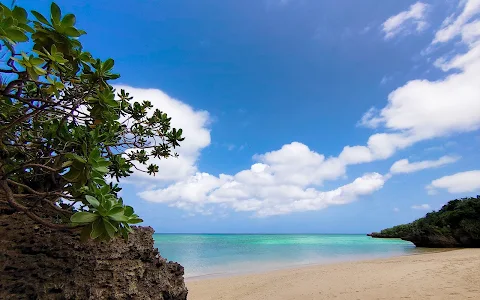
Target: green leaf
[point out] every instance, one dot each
(102, 163)
(92, 200)
(98, 180)
(72, 31)
(101, 169)
(119, 217)
(97, 229)
(117, 214)
(26, 27)
(108, 65)
(39, 70)
(109, 228)
(32, 74)
(40, 17)
(115, 210)
(68, 21)
(20, 14)
(128, 228)
(94, 155)
(83, 217)
(128, 211)
(76, 157)
(36, 61)
(7, 22)
(134, 221)
(56, 13)
(16, 35)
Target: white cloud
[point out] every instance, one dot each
(259, 190)
(396, 209)
(415, 15)
(195, 127)
(404, 166)
(295, 163)
(423, 109)
(462, 182)
(471, 32)
(421, 207)
(280, 182)
(452, 26)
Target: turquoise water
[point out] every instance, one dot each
(224, 254)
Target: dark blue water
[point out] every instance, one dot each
(222, 254)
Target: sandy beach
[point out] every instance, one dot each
(451, 274)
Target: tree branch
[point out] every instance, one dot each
(25, 210)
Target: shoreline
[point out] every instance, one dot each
(220, 275)
(439, 274)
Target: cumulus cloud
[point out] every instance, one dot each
(405, 166)
(421, 207)
(195, 127)
(401, 22)
(462, 182)
(259, 190)
(280, 182)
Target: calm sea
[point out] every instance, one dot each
(224, 254)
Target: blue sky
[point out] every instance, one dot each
(269, 94)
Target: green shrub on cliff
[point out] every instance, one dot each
(64, 129)
(397, 231)
(457, 218)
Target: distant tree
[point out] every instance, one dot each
(63, 131)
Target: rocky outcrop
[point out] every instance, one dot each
(39, 263)
(433, 241)
(457, 239)
(382, 236)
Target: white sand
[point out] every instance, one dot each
(443, 275)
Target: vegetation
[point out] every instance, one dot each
(459, 217)
(64, 130)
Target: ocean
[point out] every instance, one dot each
(213, 255)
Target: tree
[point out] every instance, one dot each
(63, 131)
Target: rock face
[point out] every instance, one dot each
(433, 241)
(382, 236)
(39, 263)
(458, 239)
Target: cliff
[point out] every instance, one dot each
(39, 263)
(454, 239)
